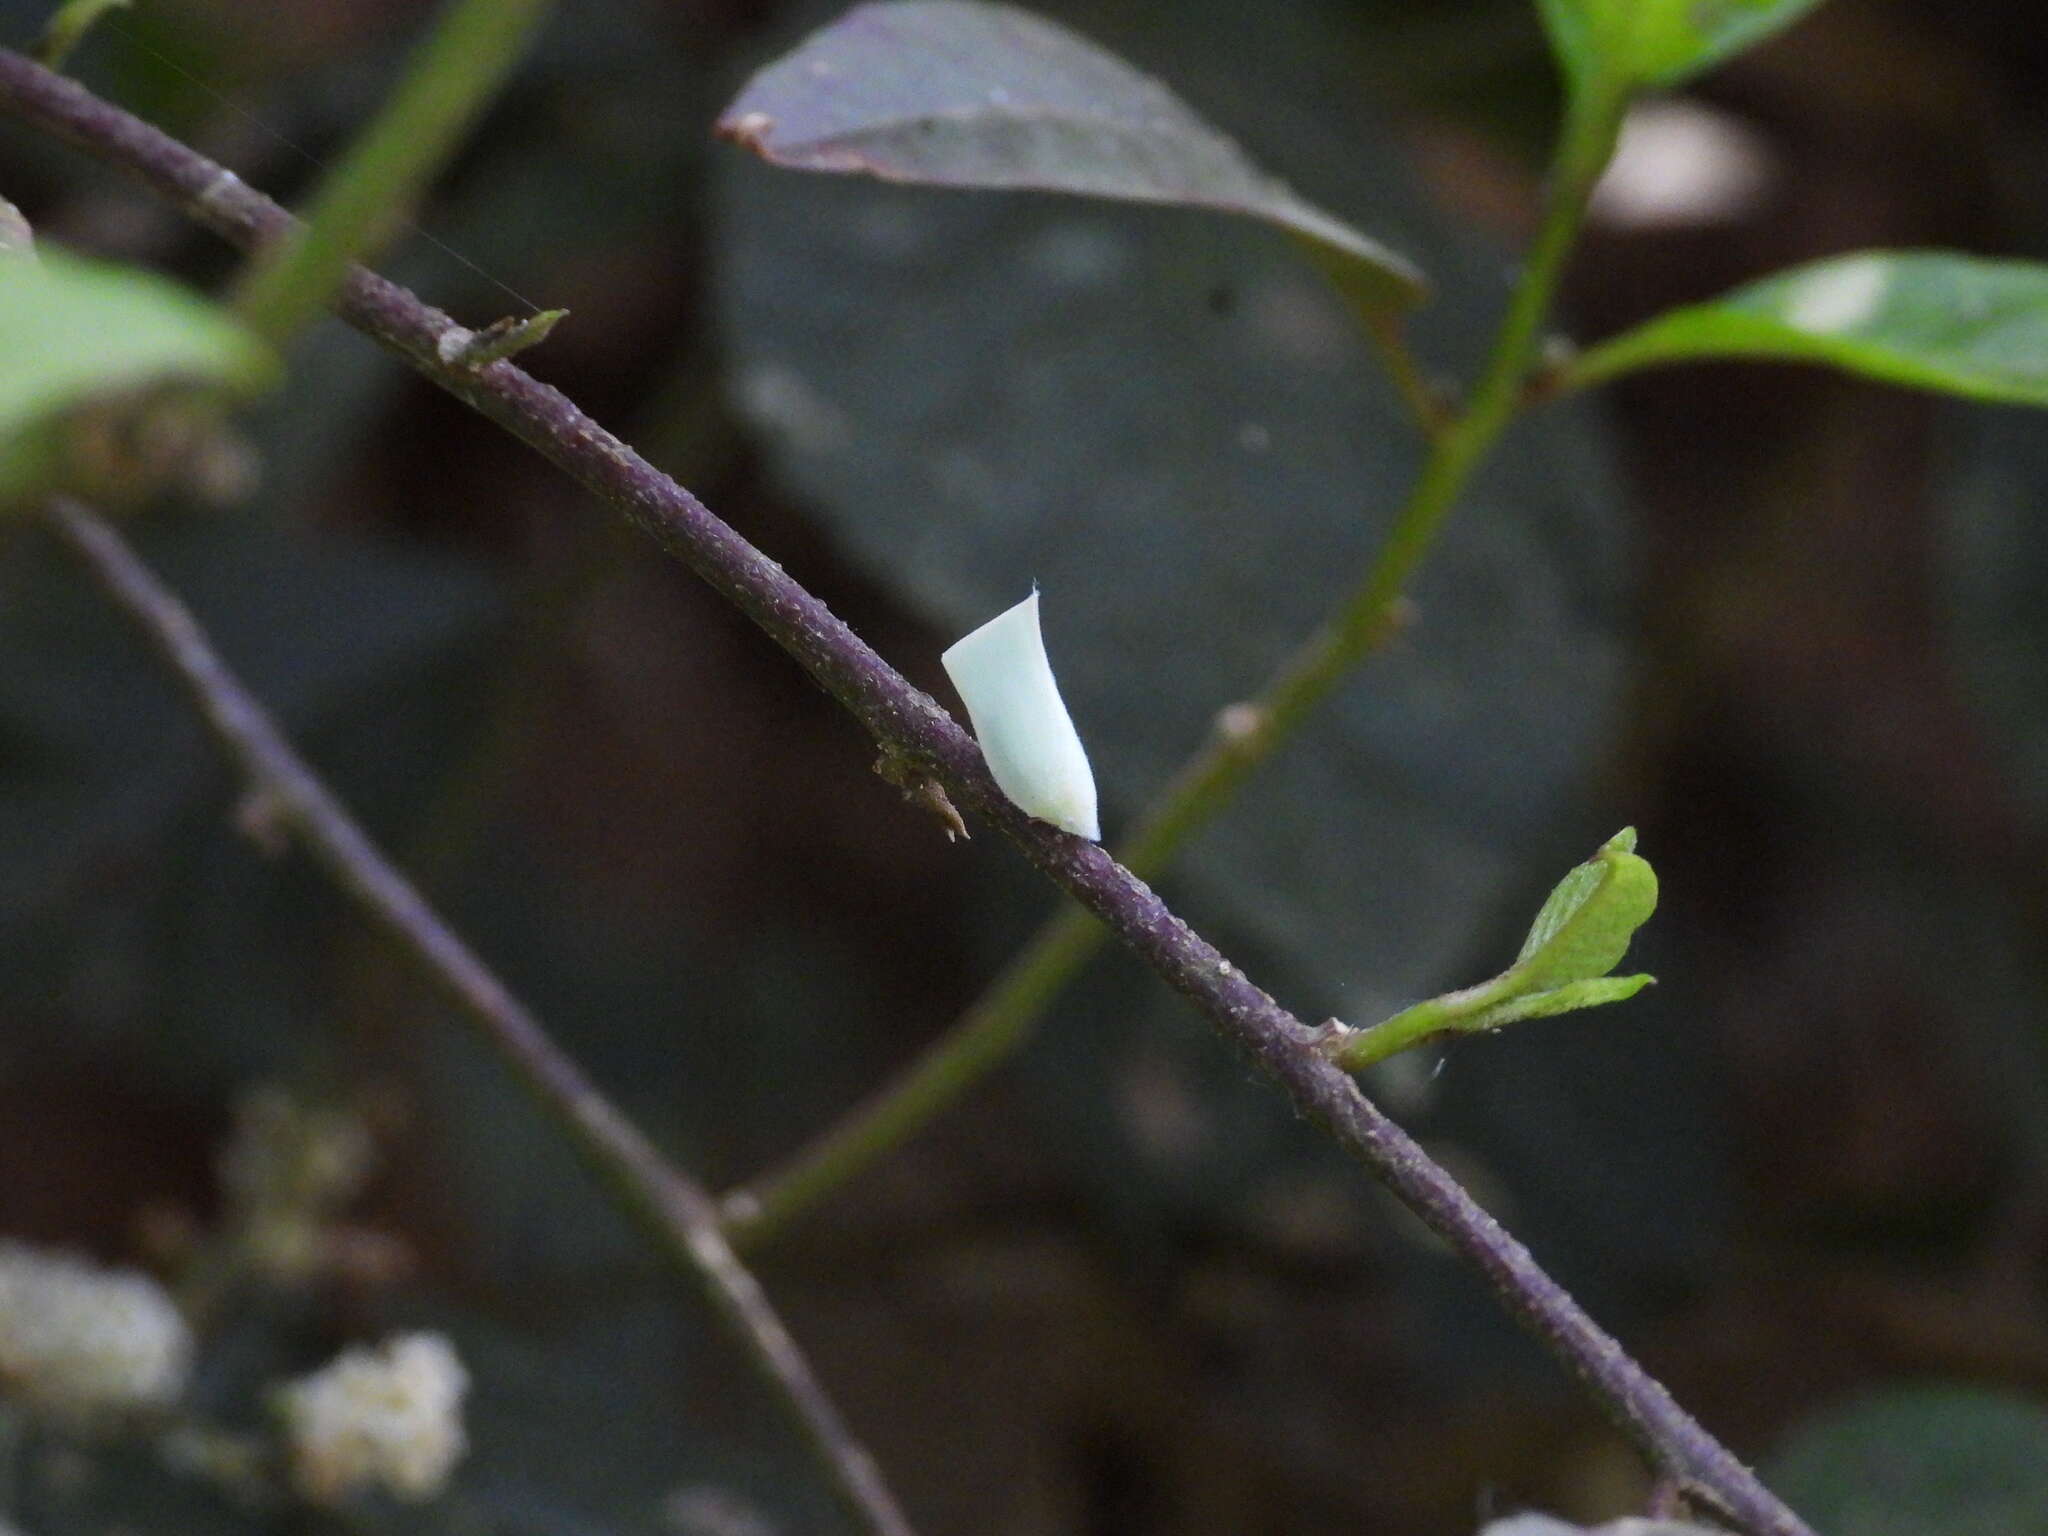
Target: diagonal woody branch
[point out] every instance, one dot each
(921, 734)
(679, 1213)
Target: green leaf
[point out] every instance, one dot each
(1923, 1461)
(1963, 325)
(1569, 998)
(1576, 32)
(1626, 45)
(955, 94)
(1585, 925)
(73, 330)
(1580, 934)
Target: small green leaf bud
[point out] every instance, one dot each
(1580, 934)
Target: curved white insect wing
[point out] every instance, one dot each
(1032, 749)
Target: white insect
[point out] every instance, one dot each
(1006, 682)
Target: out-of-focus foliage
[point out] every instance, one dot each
(1997, 590)
(70, 21)
(1624, 44)
(74, 330)
(961, 94)
(1925, 1461)
(1928, 319)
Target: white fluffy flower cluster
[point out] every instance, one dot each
(80, 1342)
(387, 1417)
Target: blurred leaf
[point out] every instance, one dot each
(1963, 325)
(1923, 1461)
(1621, 45)
(16, 238)
(1995, 551)
(956, 94)
(68, 25)
(72, 329)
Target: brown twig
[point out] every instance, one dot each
(679, 1212)
(923, 735)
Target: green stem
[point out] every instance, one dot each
(67, 26)
(1411, 1026)
(1425, 402)
(1246, 735)
(450, 79)
(1405, 1030)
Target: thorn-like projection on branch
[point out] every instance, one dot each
(500, 339)
(1581, 934)
(1037, 758)
(920, 788)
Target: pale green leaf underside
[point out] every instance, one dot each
(1962, 325)
(72, 329)
(1658, 43)
(957, 94)
(1569, 998)
(1569, 895)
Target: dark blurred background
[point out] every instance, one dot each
(1788, 625)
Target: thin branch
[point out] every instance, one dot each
(679, 1212)
(922, 733)
(1424, 400)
